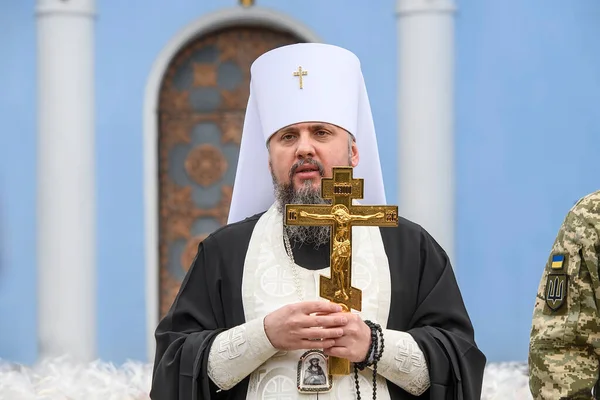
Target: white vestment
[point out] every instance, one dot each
(268, 284)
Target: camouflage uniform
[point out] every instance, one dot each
(564, 351)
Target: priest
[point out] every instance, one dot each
(248, 321)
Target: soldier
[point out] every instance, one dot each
(564, 350)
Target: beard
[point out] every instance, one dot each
(306, 194)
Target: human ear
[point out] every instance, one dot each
(354, 158)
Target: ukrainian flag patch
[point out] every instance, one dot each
(557, 261)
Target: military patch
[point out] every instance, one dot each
(558, 261)
(556, 291)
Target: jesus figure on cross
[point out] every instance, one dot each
(341, 249)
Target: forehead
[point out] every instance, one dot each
(314, 125)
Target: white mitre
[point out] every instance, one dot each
(333, 91)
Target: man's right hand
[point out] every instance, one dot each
(305, 325)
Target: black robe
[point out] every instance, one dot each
(425, 302)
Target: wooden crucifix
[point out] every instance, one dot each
(341, 215)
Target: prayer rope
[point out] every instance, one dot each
(376, 351)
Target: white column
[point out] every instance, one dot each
(66, 206)
(425, 116)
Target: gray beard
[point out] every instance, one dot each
(285, 194)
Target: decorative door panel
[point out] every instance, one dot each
(201, 112)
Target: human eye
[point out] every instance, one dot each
(322, 132)
(287, 137)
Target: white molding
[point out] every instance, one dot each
(66, 189)
(425, 6)
(426, 164)
(85, 7)
(207, 23)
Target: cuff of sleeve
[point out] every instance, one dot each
(403, 362)
(237, 352)
(256, 330)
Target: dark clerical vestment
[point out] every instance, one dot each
(238, 275)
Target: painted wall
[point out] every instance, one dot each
(528, 135)
(129, 38)
(18, 320)
(526, 78)
(136, 31)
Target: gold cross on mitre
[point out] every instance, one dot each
(300, 73)
(341, 215)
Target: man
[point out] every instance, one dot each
(314, 374)
(249, 307)
(564, 349)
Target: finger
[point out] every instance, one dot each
(335, 351)
(316, 344)
(321, 333)
(349, 316)
(299, 320)
(345, 341)
(319, 306)
(323, 321)
(330, 321)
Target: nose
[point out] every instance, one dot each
(305, 148)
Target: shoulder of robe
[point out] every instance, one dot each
(412, 233)
(233, 233)
(414, 238)
(405, 227)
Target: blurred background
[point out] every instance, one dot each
(122, 122)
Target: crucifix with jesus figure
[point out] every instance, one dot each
(341, 215)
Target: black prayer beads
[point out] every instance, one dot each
(373, 356)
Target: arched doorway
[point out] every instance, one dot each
(201, 108)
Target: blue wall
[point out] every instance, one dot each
(17, 182)
(129, 38)
(528, 135)
(526, 78)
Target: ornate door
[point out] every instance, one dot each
(201, 111)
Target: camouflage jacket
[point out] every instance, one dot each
(564, 349)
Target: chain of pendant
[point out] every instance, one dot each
(288, 249)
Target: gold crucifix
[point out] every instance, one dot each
(341, 215)
(300, 73)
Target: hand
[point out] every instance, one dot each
(354, 344)
(294, 326)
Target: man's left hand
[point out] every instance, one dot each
(354, 344)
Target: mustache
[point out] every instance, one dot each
(306, 161)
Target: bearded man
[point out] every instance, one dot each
(248, 311)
